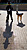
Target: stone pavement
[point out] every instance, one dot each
(13, 37)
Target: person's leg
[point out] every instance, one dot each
(18, 18)
(21, 18)
(11, 16)
(7, 17)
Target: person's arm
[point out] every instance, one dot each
(7, 8)
(11, 7)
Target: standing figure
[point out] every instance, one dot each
(9, 11)
(18, 14)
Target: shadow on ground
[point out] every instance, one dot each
(7, 34)
(21, 25)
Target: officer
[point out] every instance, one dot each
(9, 11)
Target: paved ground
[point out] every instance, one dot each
(13, 37)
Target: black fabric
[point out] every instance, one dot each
(19, 13)
(9, 7)
(9, 12)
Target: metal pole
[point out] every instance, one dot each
(16, 7)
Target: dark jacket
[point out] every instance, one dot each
(9, 7)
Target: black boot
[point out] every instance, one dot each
(12, 20)
(6, 21)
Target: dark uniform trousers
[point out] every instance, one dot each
(9, 12)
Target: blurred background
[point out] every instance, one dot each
(22, 4)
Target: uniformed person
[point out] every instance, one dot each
(9, 11)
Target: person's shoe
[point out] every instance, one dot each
(21, 21)
(18, 21)
(6, 21)
(12, 20)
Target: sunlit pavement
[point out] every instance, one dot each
(13, 37)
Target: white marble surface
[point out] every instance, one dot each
(18, 40)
